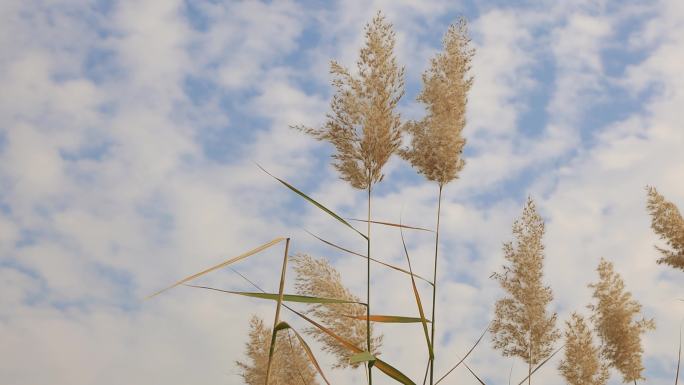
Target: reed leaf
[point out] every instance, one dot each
(391, 224)
(222, 264)
(314, 202)
(417, 296)
(362, 357)
(388, 318)
(466, 355)
(274, 296)
(397, 268)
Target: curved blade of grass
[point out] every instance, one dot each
(474, 375)
(466, 355)
(284, 325)
(286, 297)
(314, 202)
(362, 357)
(222, 264)
(363, 256)
(388, 318)
(540, 365)
(391, 224)
(417, 296)
(276, 318)
(380, 364)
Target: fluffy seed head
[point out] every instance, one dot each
(613, 318)
(363, 125)
(668, 223)
(582, 363)
(436, 141)
(289, 365)
(522, 327)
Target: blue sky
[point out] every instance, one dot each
(129, 132)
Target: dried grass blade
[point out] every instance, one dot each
(417, 296)
(540, 365)
(222, 264)
(274, 296)
(314, 202)
(466, 355)
(388, 318)
(391, 224)
(363, 256)
(284, 325)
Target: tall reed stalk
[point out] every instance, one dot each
(434, 285)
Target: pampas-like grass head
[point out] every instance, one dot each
(436, 140)
(668, 223)
(613, 317)
(289, 365)
(363, 125)
(522, 327)
(582, 364)
(316, 277)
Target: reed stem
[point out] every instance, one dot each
(434, 287)
(276, 320)
(368, 255)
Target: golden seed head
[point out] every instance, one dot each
(363, 125)
(289, 365)
(668, 223)
(522, 327)
(582, 364)
(436, 140)
(613, 318)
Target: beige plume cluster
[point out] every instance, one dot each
(613, 318)
(582, 364)
(436, 140)
(290, 365)
(363, 125)
(668, 223)
(316, 277)
(522, 327)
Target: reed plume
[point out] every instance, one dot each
(363, 124)
(613, 318)
(289, 365)
(316, 277)
(436, 141)
(522, 327)
(582, 364)
(668, 223)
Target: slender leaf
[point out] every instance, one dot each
(466, 355)
(220, 265)
(362, 357)
(540, 365)
(307, 349)
(388, 318)
(286, 297)
(391, 224)
(417, 296)
(314, 202)
(363, 256)
(276, 318)
(473, 373)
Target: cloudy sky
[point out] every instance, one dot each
(129, 132)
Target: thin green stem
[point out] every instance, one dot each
(368, 255)
(276, 319)
(434, 287)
